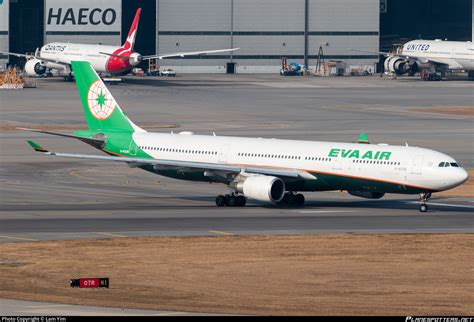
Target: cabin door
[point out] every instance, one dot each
(417, 163)
(223, 154)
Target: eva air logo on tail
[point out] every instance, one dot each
(101, 103)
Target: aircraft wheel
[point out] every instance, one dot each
(291, 199)
(220, 201)
(299, 199)
(241, 201)
(423, 208)
(231, 201)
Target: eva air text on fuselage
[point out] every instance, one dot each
(371, 155)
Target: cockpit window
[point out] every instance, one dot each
(449, 164)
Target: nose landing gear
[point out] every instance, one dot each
(424, 197)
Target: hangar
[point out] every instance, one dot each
(265, 30)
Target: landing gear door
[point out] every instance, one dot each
(417, 163)
(223, 154)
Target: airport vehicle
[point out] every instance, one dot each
(105, 59)
(436, 56)
(268, 170)
(291, 69)
(168, 72)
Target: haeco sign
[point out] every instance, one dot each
(81, 16)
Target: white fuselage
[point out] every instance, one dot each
(64, 53)
(398, 165)
(455, 54)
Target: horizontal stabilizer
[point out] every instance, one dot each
(37, 147)
(98, 142)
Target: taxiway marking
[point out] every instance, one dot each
(19, 238)
(109, 234)
(221, 232)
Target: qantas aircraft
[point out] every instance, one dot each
(104, 59)
(268, 170)
(437, 55)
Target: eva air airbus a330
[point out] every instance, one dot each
(267, 170)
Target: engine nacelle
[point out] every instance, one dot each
(397, 65)
(135, 59)
(33, 67)
(367, 194)
(262, 188)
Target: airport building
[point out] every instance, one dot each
(264, 30)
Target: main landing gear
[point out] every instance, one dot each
(292, 199)
(231, 200)
(424, 197)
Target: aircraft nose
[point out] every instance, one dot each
(462, 176)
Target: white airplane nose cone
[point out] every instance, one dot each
(463, 176)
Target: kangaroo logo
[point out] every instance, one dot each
(100, 101)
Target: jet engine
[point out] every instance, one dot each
(399, 66)
(33, 67)
(262, 188)
(367, 194)
(135, 59)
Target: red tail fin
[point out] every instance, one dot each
(130, 41)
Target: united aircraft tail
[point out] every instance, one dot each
(102, 112)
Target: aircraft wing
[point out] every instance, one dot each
(371, 52)
(17, 54)
(173, 164)
(188, 53)
(36, 57)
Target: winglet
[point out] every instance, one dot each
(363, 138)
(37, 147)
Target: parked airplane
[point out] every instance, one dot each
(435, 55)
(104, 59)
(268, 170)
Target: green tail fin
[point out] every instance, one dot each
(363, 138)
(100, 108)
